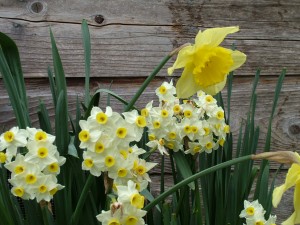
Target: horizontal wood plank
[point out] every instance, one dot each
(129, 43)
(286, 124)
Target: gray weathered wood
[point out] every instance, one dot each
(135, 35)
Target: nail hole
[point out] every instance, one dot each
(99, 19)
(294, 129)
(36, 7)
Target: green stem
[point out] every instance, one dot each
(146, 82)
(81, 201)
(194, 177)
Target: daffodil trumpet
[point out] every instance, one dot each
(206, 64)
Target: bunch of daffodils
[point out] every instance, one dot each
(127, 209)
(197, 125)
(33, 175)
(253, 212)
(106, 137)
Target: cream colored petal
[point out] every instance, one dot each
(186, 86)
(214, 36)
(184, 57)
(238, 58)
(214, 89)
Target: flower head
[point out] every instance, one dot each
(205, 63)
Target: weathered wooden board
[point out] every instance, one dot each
(130, 43)
(130, 37)
(286, 131)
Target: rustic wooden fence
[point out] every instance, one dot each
(129, 37)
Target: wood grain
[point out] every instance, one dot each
(286, 123)
(130, 43)
(130, 37)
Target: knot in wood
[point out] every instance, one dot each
(99, 19)
(37, 7)
(294, 129)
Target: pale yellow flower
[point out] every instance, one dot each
(292, 179)
(206, 64)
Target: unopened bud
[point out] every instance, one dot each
(286, 157)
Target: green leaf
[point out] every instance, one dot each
(166, 214)
(13, 82)
(87, 59)
(183, 167)
(44, 118)
(11, 53)
(61, 111)
(61, 125)
(52, 86)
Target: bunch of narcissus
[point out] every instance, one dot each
(34, 169)
(105, 138)
(197, 125)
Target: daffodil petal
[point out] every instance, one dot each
(214, 89)
(214, 36)
(290, 220)
(238, 58)
(297, 203)
(186, 85)
(277, 195)
(183, 58)
(292, 177)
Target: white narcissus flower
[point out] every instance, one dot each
(140, 169)
(194, 148)
(271, 220)
(145, 111)
(137, 121)
(3, 157)
(99, 119)
(252, 209)
(122, 132)
(11, 140)
(129, 194)
(159, 144)
(93, 163)
(54, 168)
(109, 217)
(88, 136)
(133, 215)
(19, 189)
(39, 135)
(46, 187)
(18, 166)
(41, 153)
(166, 92)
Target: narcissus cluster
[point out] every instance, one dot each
(33, 173)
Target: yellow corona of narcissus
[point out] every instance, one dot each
(206, 64)
(292, 179)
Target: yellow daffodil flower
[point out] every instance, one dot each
(292, 179)
(206, 64)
